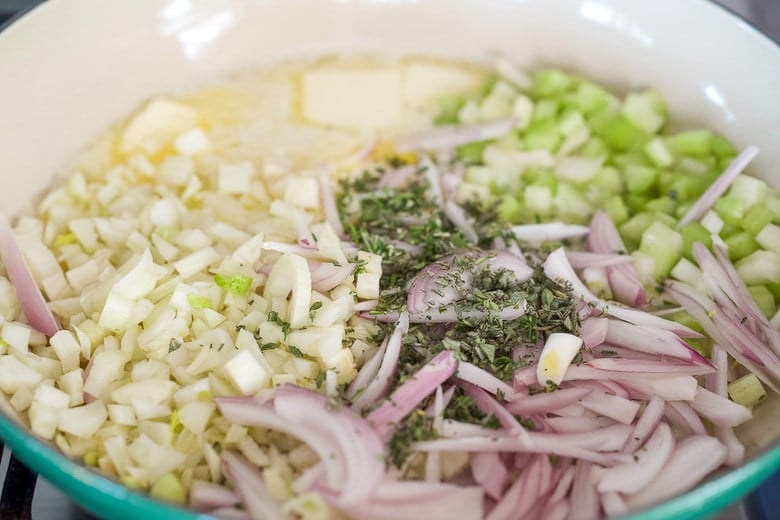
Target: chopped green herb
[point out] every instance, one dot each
(237, 284)
(173, 345)
(418, 426)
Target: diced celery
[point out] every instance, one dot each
(747, 391)
(633, 228)
(482, 175)
(760, 268)
(769, 237)
(551, 83)
(571, 205)
(523, 111)
(449, 106)
(741, 245)
(546, 177)
(692, 166)
(469, 113)
(659, 153)
(636, 202)
(661, 204)
(510, 209)
(692, 233)
(712, 222)
(682, 209)
(722, 147)
(664, 244)
(588, 98)
(774, 288)
(594, 147)
(642, 112)
(730, 209)
(683, 318)
(538, 200)
(756, 219)
(686, 271)
(618, 133)
(471, 191)
(773, 205)
(685, 188)
(631, 158)
(471, 153)
(571, 122)
(545, 109)
(609, 180)
(764, 299)
(496, 105)
(542, 135)
(691, 142)
(749, 189)
(616, 209)
(640, 179)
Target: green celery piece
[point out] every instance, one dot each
(756, 218)
(662, 205)
(658, 153)
(764, 299)
(588, 98)
(772, 203)
(664, 244)
(449, 106)
(642, 111)
(609, 180)
(722, 147)
(683, 318)
(636, 202)
(620, 134)
(571, 205)
(546, 177)
(721, 164)
(686, 188)
(730, 209)
(542, 135)
(510, 209)
(594, 147)
(696, 143)
(692, 233)
(544, 109)
(471, 153)
(682, 209)
(632, 229)
(750, 189)
(656, 101)
(616, 209)
(631, 158)
(538, 200)
(640, 179)
(547, 83)
(774, 288)
(741, 245)
(747, 391)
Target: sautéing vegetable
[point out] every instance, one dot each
(528, 301)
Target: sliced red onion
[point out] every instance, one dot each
(653, 367)
(623, 279)
(488, 405)
(584, 259)
(692, 460)
(329, 202)
(735, 288)
(525, 406)
(431, 172)
(564, 484)
(250, 487)
(458, 217)
(449, 137)
(632, 476)
(613, 504)
(29, 295)
(584, 500)
(550, 231)
(451, 429)
(578, 424)
(368, 371)
(669, 388)
(414, 499)
(365, 305)
(653, 341)
(326, 276)
(721, 411)
(396, 177)
(557, 267)
(540, 443)
(593, 331)
(684, 417)
(483, 379)
(405, 246)
(281, 247)
(489, 472)
(428, 288)
(527, 489)
(229, 513)
(205, 496)
(406, 397)
(719, 187)
(651, 416)
(378, 386)
(512, 261)
(735, 450)
(433, 460)
(612, 406)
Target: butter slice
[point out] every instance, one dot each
(157, 125)
(426, 82)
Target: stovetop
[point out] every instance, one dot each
(25, 496)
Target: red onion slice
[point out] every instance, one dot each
(250, 487)
(652, 341)
(721, 411)
(329, 202)
(613, 504)
(612, 406)
(584, 499)
(483, 379)
(377, 388)
(406, 397)
(719, 187)
(457, 216)
(489, 472)
(653, 367)
(632, 476)
(205, 496)
(680, 414)
(395, 177)
(578, 424)
(326, 276)
(488, 405)
(593, 331)
(623, 278)
(692, 460)
(651, 416)
(525, 406)
(449, 137)
(526, 490)
(584, 259)
(550, 231)
(229, 513)
(29, 295)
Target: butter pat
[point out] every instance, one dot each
(156, 125)
(365, 97)
(426, 82)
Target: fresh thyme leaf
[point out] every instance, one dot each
(418, 426)
(174, 345)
